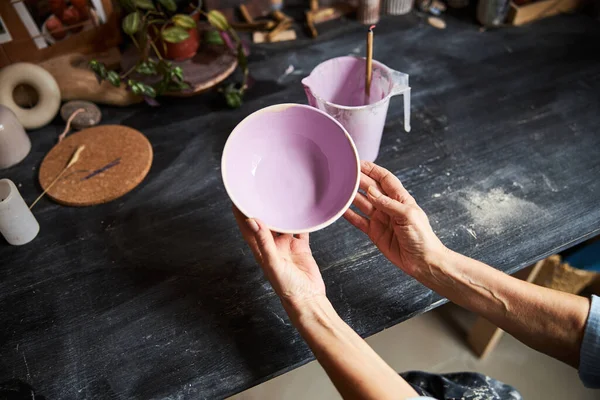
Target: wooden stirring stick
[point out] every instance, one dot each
(369, 68)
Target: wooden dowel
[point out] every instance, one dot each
(369, 66)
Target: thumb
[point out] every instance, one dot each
(391, 207)
(264, 240)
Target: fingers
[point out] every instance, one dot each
(247, 233)
(303, 236)
(363, 204)
(389, 183)
(389, 206)
(358, 221)
(264, 241)
(366, 181)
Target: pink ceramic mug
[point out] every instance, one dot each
(337, 86)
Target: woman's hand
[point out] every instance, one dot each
(394, 221)
(286, 260)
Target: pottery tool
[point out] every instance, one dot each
(369, 61)
(318, 15)
(283, 36)
(116, 160)
(281, 26)
(246, 14)
(72, 161)
(254, 26)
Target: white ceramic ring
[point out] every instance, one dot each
(42, 82)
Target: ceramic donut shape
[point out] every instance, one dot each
(42, 82)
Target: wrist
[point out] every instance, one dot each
(306, 312)
(438, 267)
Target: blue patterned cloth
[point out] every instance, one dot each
(589, 360)
(459, 386)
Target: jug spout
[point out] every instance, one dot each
(400, 86)
(309, 94)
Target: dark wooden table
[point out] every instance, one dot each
(156, 296)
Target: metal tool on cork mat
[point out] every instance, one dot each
(111, 161)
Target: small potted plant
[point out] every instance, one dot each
(160, 34)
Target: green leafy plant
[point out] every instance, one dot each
(233, 92)
(148, 23)
(151, 23)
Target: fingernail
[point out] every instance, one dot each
(252, 225)
(373, 192)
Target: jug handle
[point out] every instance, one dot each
(400, 81)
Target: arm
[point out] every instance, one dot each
(354, 368)
(547, 320)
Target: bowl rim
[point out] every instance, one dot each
(281, 107)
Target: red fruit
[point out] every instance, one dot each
(71, 17)
(82, 7)
(56, 28)
(57, 7)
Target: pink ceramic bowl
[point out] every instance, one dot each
(292, 166)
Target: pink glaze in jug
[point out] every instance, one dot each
(337, 86)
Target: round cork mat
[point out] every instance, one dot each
(115, 160)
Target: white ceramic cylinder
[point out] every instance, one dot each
(14, 142)
(17, 223)
(397, 7)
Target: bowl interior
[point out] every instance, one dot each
(292, 166)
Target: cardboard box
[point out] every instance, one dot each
(519, 15)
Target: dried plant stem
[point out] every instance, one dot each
(68, 127)
(72, 161)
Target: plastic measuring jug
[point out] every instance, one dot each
(337, 86)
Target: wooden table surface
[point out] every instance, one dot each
(156, 296)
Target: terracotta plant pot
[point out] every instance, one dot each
(182, 50)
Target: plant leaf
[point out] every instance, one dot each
(178, 72)
(175, 34)
(168, 4)
(99, 70)
(213, 37)
(141, 88)
(227, 40)
(131, 23)
(144, 4)
(114, 78)
(233, 99)
(146, 68)
(246, 47)
(217, 20)
(184, 21)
